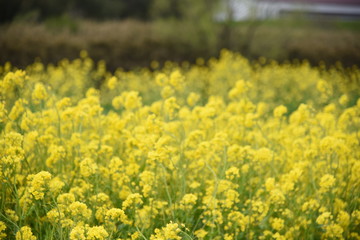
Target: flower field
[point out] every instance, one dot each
(225, 149)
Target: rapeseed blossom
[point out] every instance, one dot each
(227, 148)
(25, 233)
(170, 231)
(2, 229)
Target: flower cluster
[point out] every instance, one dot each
(223, 150)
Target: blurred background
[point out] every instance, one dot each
(132, 33)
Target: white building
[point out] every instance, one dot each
(266, 9)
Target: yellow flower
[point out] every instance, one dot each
(131, 100)
(192, 99)
(270, 184)
(277, 197)
(55, 185)
(12, 80)
(3, 111)
(280, 111)
(58, 216)
(213, 149)
(63, 103)
(264, 155)
(117, 102)
(88, 167)
(132, 199)
(39, 93)
(79, 211)
(11, 214)
(116, 215)
(278, 236)
(97, 233)
(344, 99)
(77, 233)
(18, 109)
(200, 233)
(161, 79)
(355, 215)
(325, 89)
(238, 219)
(170, 106)
(343, 219)
(334, 231)
(170, 231)
(232, 172)
(326, 182)
(167, 92)
(112, 82)
(177, 80)
(154, 64)
(312, 205)
(38, 184)
(245, 168)
(2, 229)
(228, 236)
(25, 234)
(232, 197)
(277, 224)
(66, 198)
(241, 87)
(57, 153)
(13, 152)
(147, 179)
(135, 236)
(188, 201)
(324, 218)
(355, 236)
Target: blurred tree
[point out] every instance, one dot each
(183, 9)
(189, 18)
(112, 9)
(233, 11)
(98, 9)
(8, 9)
(41, 9)
(162, 9)
(95, 9)
(137, 9)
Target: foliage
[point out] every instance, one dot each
(132, 44)
(104, 9)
